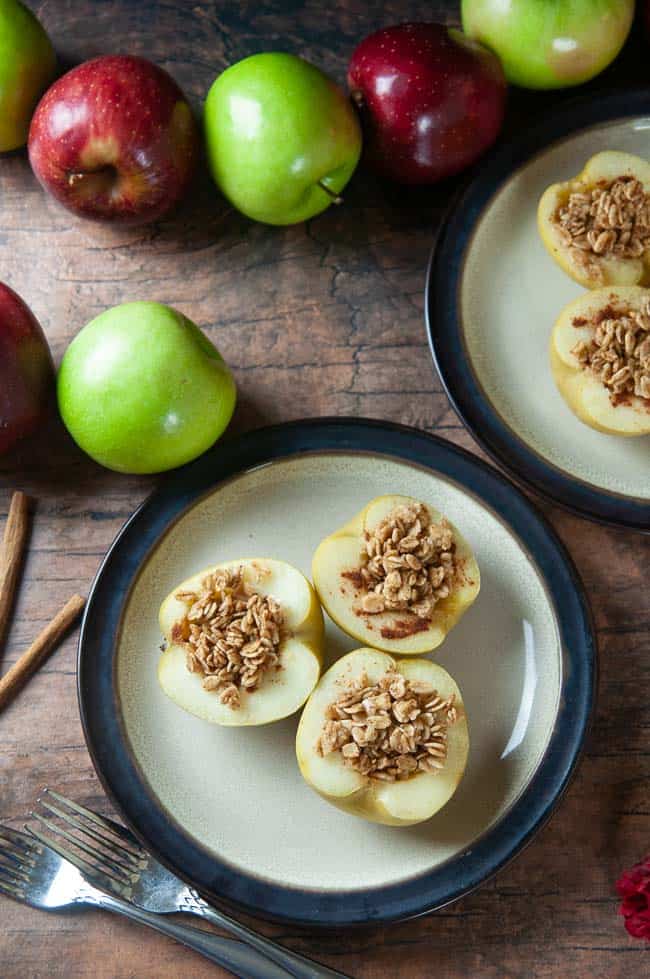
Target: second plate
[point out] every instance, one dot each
(493, 295)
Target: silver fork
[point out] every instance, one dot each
(115, 861)
(34, 874)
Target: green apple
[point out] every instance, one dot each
(142, 390)
(550, 43)
(283, 140)
(27, 66)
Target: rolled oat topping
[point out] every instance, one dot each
(613, 219)
(619, 352)
(407, 563)
(389, 730)
(231, 634)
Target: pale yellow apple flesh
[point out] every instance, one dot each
(400, 803)
(340, 554)
(282, 692)
(606, 166)
(583, 392)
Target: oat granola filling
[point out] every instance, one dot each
(408, 563)
(389, 730)
(231, 634)
(612, 219)
(619, 352)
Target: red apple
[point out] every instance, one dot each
(431, 100)
(114, 139)
(26, 371)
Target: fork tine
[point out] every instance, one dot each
(14, 877)
(11, 891)
(92, 873)
(20, 842)
(9, 851)
(104, 821)
(12, 863)
(123, 859)
(13, 855)
(115, 856)
(115, 873)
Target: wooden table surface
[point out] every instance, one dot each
(323, 318)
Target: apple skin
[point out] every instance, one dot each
(605, 166)
(142, 390)
(546, 45)
(431, 101)
(280, 694)
(585, 395)
(275, 127)
(114, 139)
(27, 66)
(26, 370)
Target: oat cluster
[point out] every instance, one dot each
(613, 219)
(231, 634)
(389, 730)
(407, 563)
(619, 352)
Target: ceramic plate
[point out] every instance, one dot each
(226, 808)
(493, 296)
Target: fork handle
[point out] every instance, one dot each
(298, 966)
(239, 959)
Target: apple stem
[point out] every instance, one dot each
(335, 198)
(106, 171)
(75, 176)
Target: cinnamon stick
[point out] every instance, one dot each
(11, 556)
(40, 649)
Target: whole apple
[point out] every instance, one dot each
(550, 45)
(283, 140)
(431, 101)
(26, 371)
(27, 66)
(141, 389)
(114, 139)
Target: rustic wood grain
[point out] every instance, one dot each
(321, 318)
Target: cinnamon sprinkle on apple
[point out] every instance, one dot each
(407, 565)
(389, 730)
(231, 634)
(612, 219)
(618, 353)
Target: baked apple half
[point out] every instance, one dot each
(384, 739)
(597, 225)
(600, 358)
(243, 642)
(397, 577)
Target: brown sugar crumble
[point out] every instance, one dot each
(231, 634)
(389, 730)
(610, 220)
(402, 628)
(618, 353)
(407, 565)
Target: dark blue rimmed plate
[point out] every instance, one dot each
(227, 809)
(493, 294)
